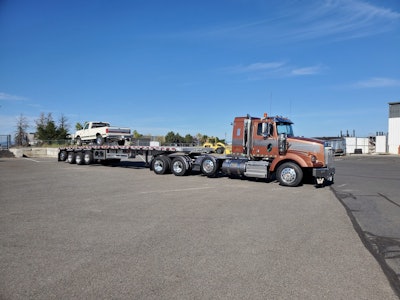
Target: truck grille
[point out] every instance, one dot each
(329, 156)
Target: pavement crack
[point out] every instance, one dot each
(344, 195)
(388, 247)
(388, 199)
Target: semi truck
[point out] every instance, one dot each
(261, 148)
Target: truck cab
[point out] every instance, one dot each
(265, 146)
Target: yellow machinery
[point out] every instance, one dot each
(219, 147)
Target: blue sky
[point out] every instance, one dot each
(192, 66)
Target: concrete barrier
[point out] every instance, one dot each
(34, 152)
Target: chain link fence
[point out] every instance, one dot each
(5, 141)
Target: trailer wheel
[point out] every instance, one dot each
(79, 158)
(209, 166)
(62, 156)
(161, 164)
(88, 157)
(99, 140)
(179, 166)
(289, 174)
(71, 157)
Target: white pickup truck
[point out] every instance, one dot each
(101, 132)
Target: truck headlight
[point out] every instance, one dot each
(313, 159)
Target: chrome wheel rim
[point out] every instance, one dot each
(288, 175)
(208, 165)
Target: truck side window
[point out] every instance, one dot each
(238, 132)
(259, 130)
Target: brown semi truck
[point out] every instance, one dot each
(261, 148)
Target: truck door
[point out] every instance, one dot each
(85, 132)
(264, 143)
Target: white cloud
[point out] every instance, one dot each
(309, 20)
(262, 70)
(306, 71)
(8, 97)
(256, 67)
(377, 82)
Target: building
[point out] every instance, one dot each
(394, 128)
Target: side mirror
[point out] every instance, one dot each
(266, 130)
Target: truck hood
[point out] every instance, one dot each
(305, 144)
(303, 139)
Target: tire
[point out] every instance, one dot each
(220, 150)
(161, 164)
(79, 158)
(88, 157)
(71, 157)
(99, 140)
(289, 174)
(209, 166)
(179, 166)
(78, 141)
(62, 156)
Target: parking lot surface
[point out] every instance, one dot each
(69, 231)
(367, 185)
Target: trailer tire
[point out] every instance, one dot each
(62, 156)
(79, 158)
(209, 166)
(161, 164)
(180, 166)
(88, 157)
(71, 157)
(289, 174)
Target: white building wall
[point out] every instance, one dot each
(394, 135)
(353, 143)
(380, 144)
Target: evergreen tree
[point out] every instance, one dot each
(62, 129)
(78, 126)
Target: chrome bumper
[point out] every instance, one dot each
(326, 173)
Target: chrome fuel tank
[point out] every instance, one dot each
(234, 166)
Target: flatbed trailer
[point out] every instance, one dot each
(161, 159)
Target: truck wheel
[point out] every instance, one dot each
(88, 157)
(161, 164)
(78, 141)
(209, 166)
(62, 156)
(179, 166)
(99, 140)
(71, 157)
(289, 174)
(79, 158)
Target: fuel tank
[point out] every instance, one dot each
(234, 166)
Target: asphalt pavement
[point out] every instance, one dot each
(368, 186)
(103, 232)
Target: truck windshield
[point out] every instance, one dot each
(285, 128)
